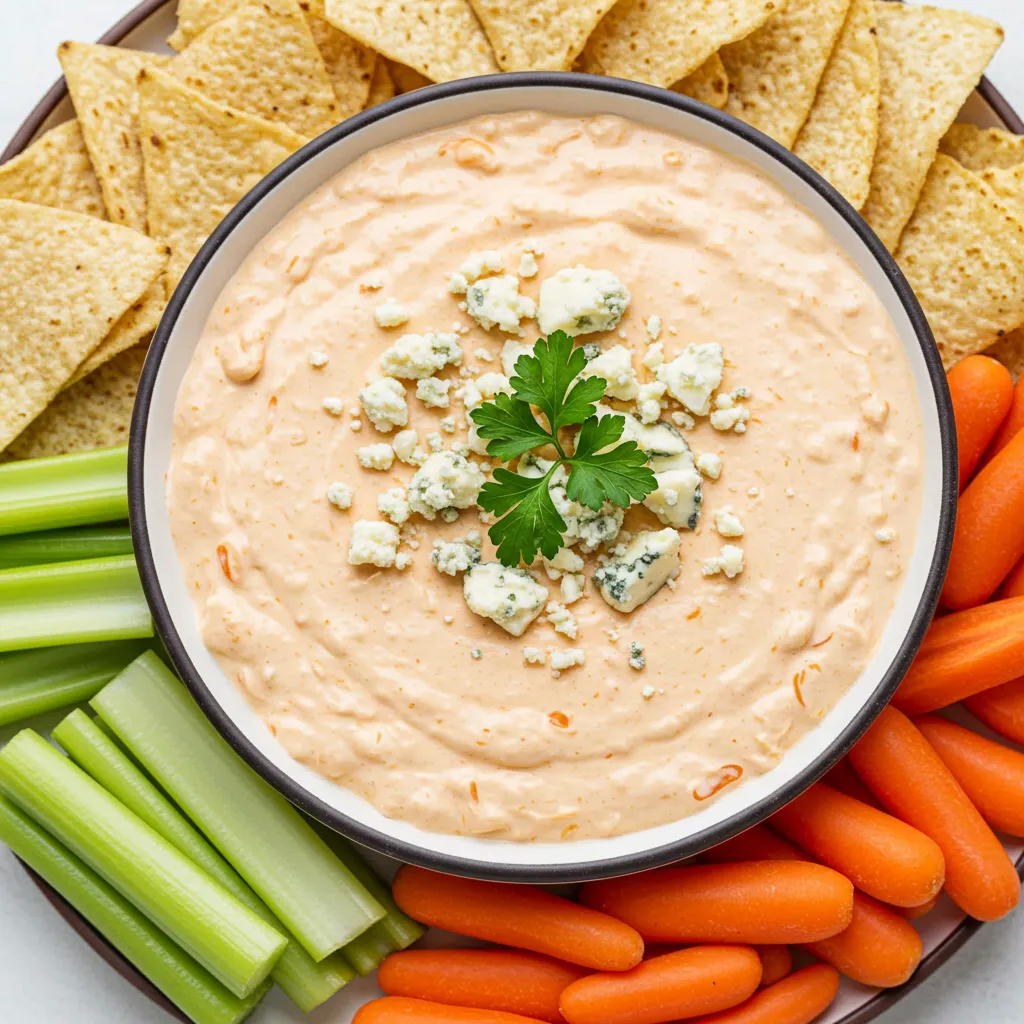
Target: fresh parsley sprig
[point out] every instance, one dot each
(599, 469)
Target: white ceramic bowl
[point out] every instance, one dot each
(262, 210)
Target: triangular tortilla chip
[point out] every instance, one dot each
(963, 254)
(201, 158)
(55, 171)
(839, 137)
(404, 78)
(382, 88)
(709, 83)
(350, 65)
(196, 16)
(1008, 184)
(67, 278)
(1010, 352)
(774, 72)
(101, 80)
(94, 413)
(441, 39)
(539, 35)
(261, 59)
(661, 43)
(930, 61)
(980, 148)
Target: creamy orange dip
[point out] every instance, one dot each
(384, 679)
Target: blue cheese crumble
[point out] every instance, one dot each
(579, 300)
(728, 561)
(650, 560)
(340, 495)
(693, 375)
(373, 543)
(433, 392)
(391, 313)
(677, 499)
(562, 620)
(496, 302)
(616, 367)
(727, 415)
(393, 505)
(727, 523)
(376, 456)
(384, 403)
(446, 481)
(637, 661)
(417, 356)
(511, 597)
(569, 657)
(454, 556)
(710, 465)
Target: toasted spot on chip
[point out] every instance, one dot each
(963, 254)
(663, 42)
(839, 137)
(709, 83)
(67, 278)
(774, 72)
(981, 148)
(930, 60)
(208, 158)
(350, 65)
(382, 88)
(441, 39)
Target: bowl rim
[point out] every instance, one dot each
(593, 867)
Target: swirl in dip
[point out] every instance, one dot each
(381, 676)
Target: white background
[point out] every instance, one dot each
(47, 974)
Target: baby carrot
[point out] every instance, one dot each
(1001, 709)
(488, 979)
(986, 619)
(1013, 585)
(916, 913)
(908, 776)
(880, 854)
(758, 843)
(518, 915)
(799, 999)
(988, 540)
(768, 902)
(982, 392)
(776, 963)
(1013, 422)
(399, 1010)
(842, 777)
(989, 773)
(701, 979)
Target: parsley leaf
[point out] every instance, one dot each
(536, 523)
(512, 425)
(616, 474)
(544, 380)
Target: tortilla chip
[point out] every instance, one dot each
(709, 83)
(94, 413)
(930, 61)
(663, 41)
(441, 39)
(67, 278)
(350, 65)
(201, 158)
(774, 72)
(980, 148)
(539, 35)
(1008, 184)
(404, 78)
(1010, 352)
(382, 88)
(963, 254)
(55, 171)
(839, 137)
(262, 59)
(101, 80)
(196, 16)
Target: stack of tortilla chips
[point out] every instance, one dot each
(101, 215)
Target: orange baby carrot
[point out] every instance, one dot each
(518, 915)
(488, 979)
(842, 777)
(758, 843)
(908, 776)
(988, 540)
(1013, 585)
(1012, 424)
(916, 913)
(1001, 709)
(880, 854)
(399, 1010)
(989, 773)
(799, 999)
(982, 392)
(986, 619)
(701, 979)
(767, 902)
(776, 963)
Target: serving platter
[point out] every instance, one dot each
(943, 931)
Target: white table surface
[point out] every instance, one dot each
(47, 974)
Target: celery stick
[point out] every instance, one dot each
(32, 682)
(64, 490)
(229, 940)
(71, 602)
(259, 833)
(67, 545)
(305, 982)
(190, 987)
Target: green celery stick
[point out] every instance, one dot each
(64, 490)
(229, 940)
(32, 682)
(72, 602)
(190, 987)
(258, 832)
(68, 545)
(306, 982)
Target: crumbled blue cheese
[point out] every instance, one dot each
(651, 558)
(407, 447)
(317, 359)
(733, 418)
(402, 561)
(569, 657)
(496, 302)
(373, 543)
(376, 456)
(458, 283)
(477, 264)
(509, 596)
(683, 420)
(579, 300)
(583, 526)
(710, 465)
(616, 366)
(384, 402)
(562, 620)
(416, 356)
(332, 405)
(434, 441)
(565, 561)
(729, 561)
(677, 499)
(650, 401)
(448, 424)
(476, 654)
(391, 313)
(433, 392)
(454, 556)
(534, 655)
(372, 282)
(510, 353)
(658, 439)
(637, 661)
(572, 587)
(653, 327)
(445, 481)
(727, 523)
(654, 356)
(885, 535)
(528, 265)
(340, 495)
(393, 504)
(648, 692)
(693, 375)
